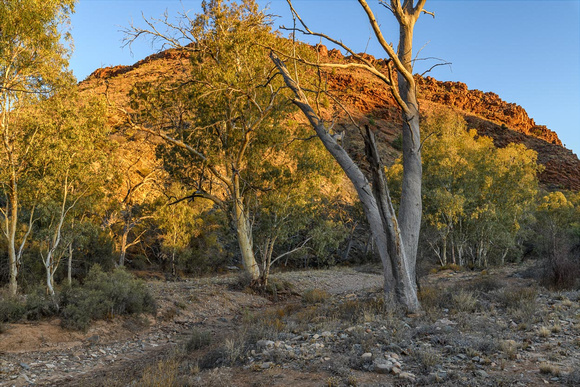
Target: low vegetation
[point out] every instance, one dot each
(102, 296)
(473, 338)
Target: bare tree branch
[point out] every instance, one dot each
(435, 65)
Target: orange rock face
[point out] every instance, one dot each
(369, 99)
(486, 105)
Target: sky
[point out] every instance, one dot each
(527, 52)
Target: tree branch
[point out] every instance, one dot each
(291, 251)
(386, 46)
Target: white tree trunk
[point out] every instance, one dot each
(11, 221)
(398, 273)
(244, 234)
(69, 265)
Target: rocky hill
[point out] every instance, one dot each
(487, 112)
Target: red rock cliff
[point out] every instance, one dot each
(485, 105)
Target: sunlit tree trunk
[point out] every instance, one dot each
(244, 232)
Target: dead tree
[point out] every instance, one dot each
(396, 237)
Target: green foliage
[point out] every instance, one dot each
(33, 53)
(104, 295)
(72, 167)
(228, 136)
(34, 306)
(39, 304)
(11, 308)
(557, 238)
(476, 197)
(33, 67)
(398, 142)
(199, 339)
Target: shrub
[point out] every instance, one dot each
(485, 284)
(573, 378)
(104, 295)
(199, 339)
(552, 369)
(164, 373)
(509, 348)
(561, 271)
(314, 296)
(398, 142)
(11, 308)
(427, 358)
(35, 306)
(514, 298)
(464, 301)
(430, 297)
(39, 305)
(520, 302)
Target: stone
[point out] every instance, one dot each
(266, 365)
(93, 339)
(407, 376)
(482, 373)
(367, 356)
(395, 370)
(383, 368)
(264, 344)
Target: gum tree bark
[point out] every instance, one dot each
(396, 237)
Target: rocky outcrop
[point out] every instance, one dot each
(110, 72)
(561, 165)
(486, 105)
(487, 112)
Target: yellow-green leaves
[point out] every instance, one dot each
(475, 196)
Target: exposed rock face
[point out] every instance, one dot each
(562, 167)
(486, 105)
(110, 72)
(363, 93)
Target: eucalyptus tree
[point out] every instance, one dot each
(131, 204)
(396, 237)
(224, 122)
(73, 169)
(477, 198)
(33, 64)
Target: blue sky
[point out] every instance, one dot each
(527, 52)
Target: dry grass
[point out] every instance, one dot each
(162, 374)
(552, 369)
(217, 377)
(464, 301)
(315, 296)
(509, 348)
(544, 332)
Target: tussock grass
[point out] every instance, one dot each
(162, 374)
(315, 296)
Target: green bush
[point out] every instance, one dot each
(11, 308)
(199, 339)
(398, 142)
(39, 304)
(82, 306)
(104, 295)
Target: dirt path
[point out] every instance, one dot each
(44, 354)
